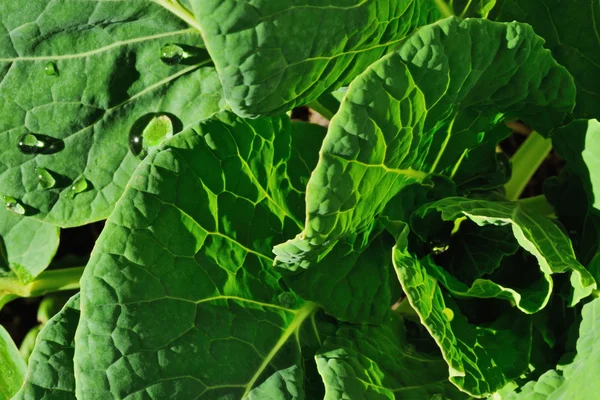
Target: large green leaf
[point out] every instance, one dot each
(81, 75)
(377, 362)
(577, 380)
(50, 374)
(12, 366)
(419, 110)
(535, 233)
(481, 358)
(274, 55)
(26, 248)
(180, 297)
(352, 283)
(571, 32)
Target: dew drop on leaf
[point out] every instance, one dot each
(157, 130)
(13, 205)
(448, 313)
(286, 300)
(29, 143)
(79, 186)
(45, 178)
(171, 54)
(51, 69)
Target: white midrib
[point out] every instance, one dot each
(98, 50)
(300, 317)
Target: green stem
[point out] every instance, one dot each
(404, 308)
(47, 282)
(326, 105)
(180, 11)
(444, 8)
(539, 204)
(525, 162)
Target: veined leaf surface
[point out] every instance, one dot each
(50, 374)
(418, 111)
(79, 75)
(272, 56)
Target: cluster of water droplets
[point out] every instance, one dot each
(150, 134)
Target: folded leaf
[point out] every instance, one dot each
(272, 56)
(50, 374)
(377, 362)
(535, 233)
(419, 110)
(481, 358)
(77, 81)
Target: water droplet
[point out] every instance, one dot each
(157, 130)
(286, 300)
(448, 313)
(29, 143)
(46, 179)
(13, 205)
(51, 69)
(172, 54)
(79, 186)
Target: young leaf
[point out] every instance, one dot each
(50, 374)
(180, 296)
(417, 111)
(377, 362)
(260, 48)
(77, 81)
